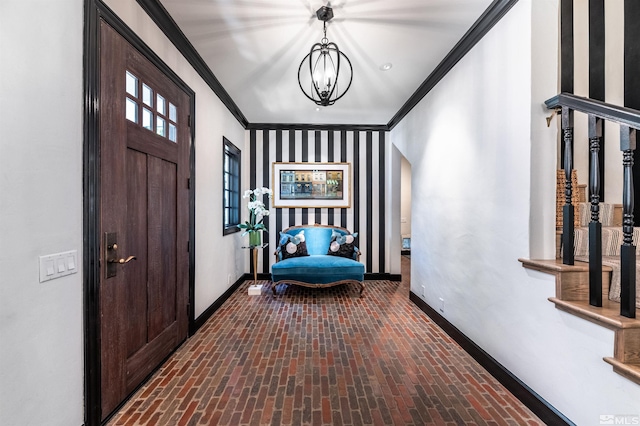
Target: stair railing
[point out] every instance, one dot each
(629, 121)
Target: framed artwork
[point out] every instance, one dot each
(311, 185)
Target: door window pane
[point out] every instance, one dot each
(173, 113)
(160, 106)
(161, 126)
(131, 110)
(147, 119)
(173, 134)
(132, 85)
(161, 118)
(147, 95)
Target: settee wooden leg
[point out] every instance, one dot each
(361, 288)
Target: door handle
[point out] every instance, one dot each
(111, 257)
(123, 261)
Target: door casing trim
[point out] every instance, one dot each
(94, 12)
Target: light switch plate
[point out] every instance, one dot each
(58, 265)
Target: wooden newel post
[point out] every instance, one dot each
(567, 209)
(595, 227)
(628, 250)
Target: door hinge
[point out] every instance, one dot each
(188, 246)
(188, 183)
(189, 120)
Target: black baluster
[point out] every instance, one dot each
(567, 209)
(595, 227)
(628, 250)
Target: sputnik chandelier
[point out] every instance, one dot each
(323, 75)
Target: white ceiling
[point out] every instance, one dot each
(254, 48)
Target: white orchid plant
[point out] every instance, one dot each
(257, 210)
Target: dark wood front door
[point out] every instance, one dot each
(144, 212)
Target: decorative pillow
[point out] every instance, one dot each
(293, 245)
(342, 245)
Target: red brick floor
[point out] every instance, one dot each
(323, 357)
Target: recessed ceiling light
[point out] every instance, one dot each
(317, 108)
(386, 67)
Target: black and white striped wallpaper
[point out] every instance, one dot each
(600, 59)
(366, 151)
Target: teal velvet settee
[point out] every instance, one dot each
(318, 268)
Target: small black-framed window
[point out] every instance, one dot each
(230, 187)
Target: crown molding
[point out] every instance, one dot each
(334, 127)
(165, 22)
(487, 20)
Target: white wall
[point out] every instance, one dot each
(41, 117)
(394, 201)
(220, 261)
(405, 202)
(41, 324)
(475, 144)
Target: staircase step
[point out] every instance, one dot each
(607, 316)
(630, 371)
(572, 293)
